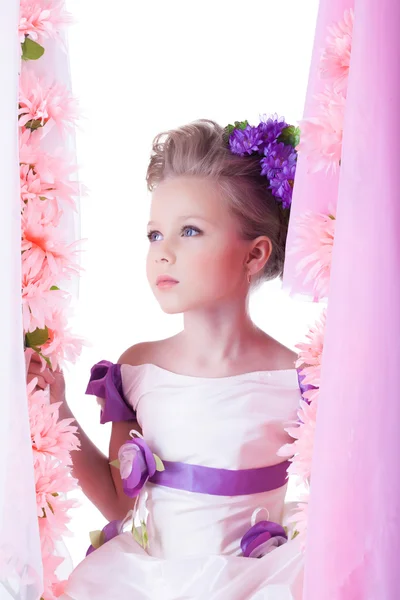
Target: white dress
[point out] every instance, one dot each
(194, 538)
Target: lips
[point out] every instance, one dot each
(165, 281)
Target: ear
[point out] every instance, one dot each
(258, 254)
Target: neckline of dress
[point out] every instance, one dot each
(269, 373)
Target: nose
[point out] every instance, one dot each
(165, 254)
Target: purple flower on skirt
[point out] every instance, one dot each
(245, 141)
(108, 532)
(137, 465)
(263, 537)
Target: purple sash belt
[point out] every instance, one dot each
(138, 465)
(221, 482)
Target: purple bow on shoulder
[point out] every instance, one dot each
(263, 537)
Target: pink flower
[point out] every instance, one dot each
(321, 136)
(335, 61)
(41, 19)
(53, 587)
(62, 346)
(45, 177)
(54, 525)
(42, 102)
(39, 301)
(313, 248)
(50, 437)
(310, 353)
(44, 251)
(300, 451)
(52, 478)
(29, 146)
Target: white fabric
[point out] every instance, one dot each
(20, 559)
(194, 539)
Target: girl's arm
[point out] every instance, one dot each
(100, 482)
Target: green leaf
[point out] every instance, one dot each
(290, 136)
(96, 538)
(37, 338)
(54, 287)
(145, 536)
(159, 463)
(34, 124)
(136, 536)
(241, 124)
(230, 128)
(31, 50)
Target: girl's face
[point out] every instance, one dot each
(195, 241)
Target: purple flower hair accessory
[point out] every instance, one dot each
(276, 141)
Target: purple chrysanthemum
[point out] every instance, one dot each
(279, 165)
(281, 185)
(245, 141)
(271, 129)
(277, 156)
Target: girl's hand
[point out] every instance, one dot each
(46, 377)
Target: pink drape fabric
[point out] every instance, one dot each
(312, 191)
(353, 542)
(20, 557)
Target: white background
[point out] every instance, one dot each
(141, 68)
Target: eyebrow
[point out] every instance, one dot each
(183, 218)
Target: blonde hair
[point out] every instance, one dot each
(200, 150)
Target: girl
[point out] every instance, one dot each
(195, 492)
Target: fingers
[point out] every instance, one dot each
(48, 376)
(40, 381)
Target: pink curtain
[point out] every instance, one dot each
(20, 557)
(354, 524)
(313, 191)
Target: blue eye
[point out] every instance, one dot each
(152, 236)
(189, 231)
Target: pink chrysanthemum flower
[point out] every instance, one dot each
(50, 437)
(40, 19)
(29, 146)
(310, 353)
(321, 136)
(313, 246)
(45, 177)
(43, 249)
(52, 586)
(51, 479)
(39, 301)
(62, 346)
(55, 525)
(301, 450)
(335, 61)
(41, 103)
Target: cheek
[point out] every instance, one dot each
(218, 264)
(149, 265)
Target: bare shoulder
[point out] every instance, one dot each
(286, 357)
(143, 353)
(281, 357)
